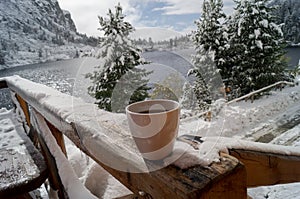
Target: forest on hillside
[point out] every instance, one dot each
(288, 15)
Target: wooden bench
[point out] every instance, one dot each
(22, 167)
(106, 139)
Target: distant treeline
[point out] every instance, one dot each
(288, 14)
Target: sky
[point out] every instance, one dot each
(178, 15)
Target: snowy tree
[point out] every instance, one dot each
(211, 33)
(199, 86)
(210, 42)
(287, 12)
(256, 46)
(120, 58)
(188, 99)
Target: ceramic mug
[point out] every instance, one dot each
(154, 126)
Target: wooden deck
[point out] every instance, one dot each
(22, 167)
(105, 138)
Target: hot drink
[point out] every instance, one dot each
(154, 127)
(152, 111)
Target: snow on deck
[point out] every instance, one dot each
(20, 162)
(72, 184)
(97, 128)
(100, 132)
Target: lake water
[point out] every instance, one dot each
(293, 54)
(68, 76)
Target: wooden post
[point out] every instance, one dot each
(58, 136)
(24, 107)
(231, 183)
(54, 178)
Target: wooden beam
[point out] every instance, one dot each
(54, 178)
(267, 168)
(58, 136)
(226, 178)
(231, 185)
(24, 107)
(109, 142)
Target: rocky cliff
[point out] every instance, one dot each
(32, 31)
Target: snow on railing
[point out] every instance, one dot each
(209, 114)
(105, 137)
(84, 123)
(260, 90)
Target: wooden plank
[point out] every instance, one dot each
(23, 168)
(24, 107)
(225, 178)
(54, 178)
(24, 171)
(231, 185)
(58, 137)
(267, 168)
(105, 138)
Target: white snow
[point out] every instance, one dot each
(259, 44)
(257, 33)
(237, 120)
(264, 23)
(211, 147)
(72, 184)
(290, 137)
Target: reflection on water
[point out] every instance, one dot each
(67, 76)
(293, 55)
(64, 76)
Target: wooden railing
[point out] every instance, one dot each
(105, 138)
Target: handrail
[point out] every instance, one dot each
(259, 91)
(93, 130)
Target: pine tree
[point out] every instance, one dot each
(188, 99)
(211, 33)
(256, 47)
(202, 87)
(120, 59)
(210, 43)
(287, 13)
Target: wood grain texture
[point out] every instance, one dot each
(267, 168)
(24, 107)
(226, 179)
(58, 137)
(105, 138)
(23, 168)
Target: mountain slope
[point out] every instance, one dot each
(36, 30)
